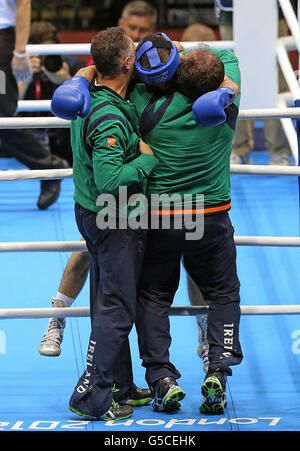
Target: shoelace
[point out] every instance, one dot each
(53, 332)
(114, 403)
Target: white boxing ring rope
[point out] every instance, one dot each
(80, 312)
(55, 122)
(77, 246)
(84, 49)
(45, 105)
(48, 174)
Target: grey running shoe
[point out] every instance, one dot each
(238, 159)
(280, 159)
(167, 394)
(214, 392)
(53, 337)
(203, 347)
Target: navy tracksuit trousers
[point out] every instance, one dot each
(211, 263)
(116, 258)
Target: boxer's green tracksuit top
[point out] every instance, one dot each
(192, 159)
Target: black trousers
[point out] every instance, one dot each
(20, 144)
(211, 263)
(116, 258)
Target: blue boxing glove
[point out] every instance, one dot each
(72, 99)
(208, 109)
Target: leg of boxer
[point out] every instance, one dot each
(196, 299)
(75, 274)
(73, 280)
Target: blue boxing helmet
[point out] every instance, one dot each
(159, 72)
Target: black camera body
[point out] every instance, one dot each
(53, 63)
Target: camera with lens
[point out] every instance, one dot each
(53, 63)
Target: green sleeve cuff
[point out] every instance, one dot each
(146, 162)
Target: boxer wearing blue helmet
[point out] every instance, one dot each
(158, 72)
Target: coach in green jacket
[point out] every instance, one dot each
(108, 154)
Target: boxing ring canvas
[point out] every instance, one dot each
(263, 393)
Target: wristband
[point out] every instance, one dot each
(20, 55)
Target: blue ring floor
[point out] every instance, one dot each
(263, 393)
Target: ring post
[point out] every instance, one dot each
(297, 104)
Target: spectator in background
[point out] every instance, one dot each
(198, 32)
(276, 142)
(47, 73)
(138, 19)
(15, 17)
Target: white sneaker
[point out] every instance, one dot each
(203, 347)
(53, 337)
(238, 159)
(280, 160)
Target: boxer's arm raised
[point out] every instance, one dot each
(72, 98)
(209, 109)
(228, 83)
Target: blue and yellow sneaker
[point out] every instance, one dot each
(167, 395)
(214, 392)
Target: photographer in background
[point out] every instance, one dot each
(47, 73)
